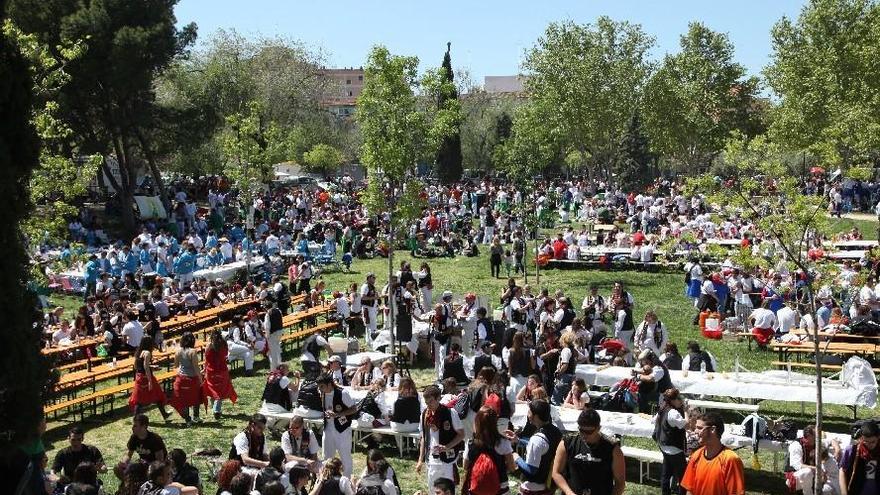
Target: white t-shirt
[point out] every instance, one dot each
(133, 332)
(787, 319)
(242, 444)
(535, 449)
(764, 318)
(674, 419)
(291, 447)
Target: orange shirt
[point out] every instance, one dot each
(722, 475)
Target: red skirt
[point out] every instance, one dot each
(187, 393)
(143, 394)
(218, 385)
(763, 335)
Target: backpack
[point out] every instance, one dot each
(370, 484)
(687, 277)
(310, 397)
(482, 477)
(462, 404)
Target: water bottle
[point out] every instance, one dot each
(113, 364)
(703, 368)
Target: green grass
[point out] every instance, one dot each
(663, 293)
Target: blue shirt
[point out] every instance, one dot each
(211, 242)
(185, 264)
(236, 233)
(92, 271)
(130, 262)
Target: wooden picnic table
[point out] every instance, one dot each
(837, 335)
(604, 226)
(786, 350)
(79, 344)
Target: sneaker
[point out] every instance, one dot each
(197, 419)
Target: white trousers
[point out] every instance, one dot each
(185, 279)
(274, 343)
(371, 326)
(243, 352)
(488, 233)
(804, 478)
(336, 444)
(439, 358)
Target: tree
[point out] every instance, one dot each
(59, 180)
(480, 114)
(696, 99)
(825, 74)
(109, 101)
(634, 158)
(398, 129)
(449, 155)
(322, 158)
(759, 189)
(23, 372)
(585, 81)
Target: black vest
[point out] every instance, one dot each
(481, 362)
(474, 452)
(406, 277)
(311, 346)
(443, 418)
(568, 316)
(697, 358)
(455, 368)
(425, 281)
(365, 379)
(406, 409)
(255, 449)
(341, 423)
(589, 467)
(274, 394)
(519, 364)
(490, 330)
(330, 487)
(369, 406)
(572, 362)
(554, 436)
(666, 434)
(302, 449)
(276, 323)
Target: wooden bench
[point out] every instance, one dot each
(726, 406)
(825, 367)
(104, 395)
(645, 458)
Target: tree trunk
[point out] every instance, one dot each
(154, 172)
(817, 479)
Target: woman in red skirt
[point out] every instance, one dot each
(217, 384)
(188, 382)
(146, 388)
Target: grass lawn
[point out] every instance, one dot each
(662, 292)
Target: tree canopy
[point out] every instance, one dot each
(825, 74)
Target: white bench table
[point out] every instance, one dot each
(726, 406)
(645, 458)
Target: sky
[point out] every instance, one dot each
(488, 37)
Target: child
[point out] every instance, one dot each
(508, 262)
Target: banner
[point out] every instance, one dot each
(150, 207)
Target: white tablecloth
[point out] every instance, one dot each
(354, 360)
(768, 385)
(227, 271)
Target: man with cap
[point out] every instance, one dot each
(370, 305)
(589, 462)
(337, 371)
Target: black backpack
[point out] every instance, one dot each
(310, 397)
(370, 484)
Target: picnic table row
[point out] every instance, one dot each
(123, 370)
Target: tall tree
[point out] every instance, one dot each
(585, 81)
(398, 129)
(696, 99)
(634, 158)
(23, 373)
(449, 155)
(825, 74)
(322, 158)
(110, 100)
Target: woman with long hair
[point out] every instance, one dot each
(218, 384)
(188, 382)
(487, 440)
(146, 389)
(520, 360)
(669, 432)
(228, 470)
(407, 409)
(331, 480)
(533, 385)
(135, 476)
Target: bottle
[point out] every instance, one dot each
(703, 368)
(113, 364)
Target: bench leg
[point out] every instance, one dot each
(399, 440)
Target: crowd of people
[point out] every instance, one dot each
(484, 365)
